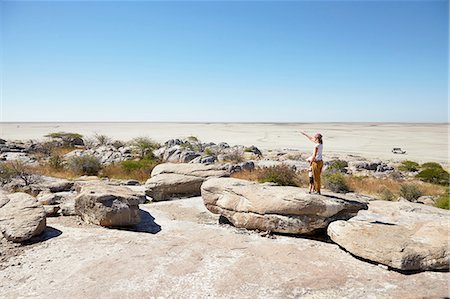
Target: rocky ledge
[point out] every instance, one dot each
(403, 235)
(280, 209)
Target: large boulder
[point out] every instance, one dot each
(402, 235)
(180, 180)
(281, 209)
(107, 205)
(21, 217)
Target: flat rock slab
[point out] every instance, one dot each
(280, 209)
(180, 180)
(403, 235)
(21, 217)
(193, 257)
(107, 205)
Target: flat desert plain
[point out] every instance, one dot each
(422, 142)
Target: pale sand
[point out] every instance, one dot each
(423, 142)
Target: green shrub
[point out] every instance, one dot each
(410, 192)
(209, 152)
(56, 162)
(431, 165)
(282, 175)
(132, 165)
(434, 173)
(338, 166)
(145, 145)
(386, 194)
(335, 182)
(443, 202)
(409, 166)
(84, 165)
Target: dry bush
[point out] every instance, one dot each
(17, 170)
(282, 175)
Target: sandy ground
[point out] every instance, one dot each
(423, 142)
(182, 252)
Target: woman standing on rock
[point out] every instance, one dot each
(316, 159)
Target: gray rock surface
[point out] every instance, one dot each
(402, 235)
(106, 205)
(179, 180)
(289, 210)
(21, 217)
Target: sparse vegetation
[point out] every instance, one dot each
(101, 139)
(409, 166)
(235, 156)
(433, 173)
(17, 170)
(443, 202)
(209, 152)
(84, 165)
(386, 194)
(145, 146)
(56, 162)
(282, 175)
(335, 182)
(410, 192)
(193, 139)
(64, 135)
(337, 166)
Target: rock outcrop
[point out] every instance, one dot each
(21, 217)
(402, 235)
(105, 205)
(289, 210)
(180, 180)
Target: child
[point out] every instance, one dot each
(311, 180)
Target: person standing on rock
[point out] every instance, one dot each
(315, 161)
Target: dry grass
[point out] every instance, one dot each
(373, 186)
(117, 172)
(47, 170)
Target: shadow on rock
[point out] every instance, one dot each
(147, 224)
(49, 233)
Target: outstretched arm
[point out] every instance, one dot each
(307, 136)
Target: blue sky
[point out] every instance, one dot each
(294, 61)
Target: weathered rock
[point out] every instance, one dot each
(21, 218)
(51, 211)
(47, 198)
(60, 186)
(279, 209)
(402, 235)
(427, 200)
(3, 199)
(68, 208)
(179, 180)
(169, 185)
(106, 205)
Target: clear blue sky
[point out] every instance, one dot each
(297, 61)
